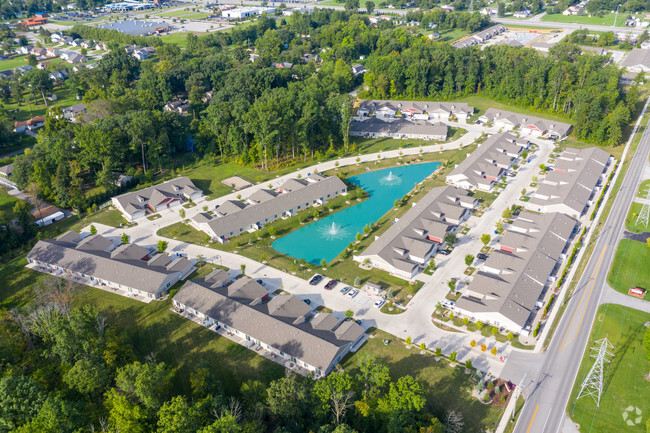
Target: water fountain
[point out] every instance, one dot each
(332, 232)
(390, 179)
(334, 229)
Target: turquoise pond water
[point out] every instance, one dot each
(327, 237)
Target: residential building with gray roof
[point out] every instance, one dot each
(408, 244)
(282, 325)
(401, 129)
(128, 268)
(570, 187)
(527, 125)
(415, 110)
(483, 168)
(509, 289)
(235, 217)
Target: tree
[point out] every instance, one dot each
(454, 422)
(124, 415)
(271, 231)
(93, 230)
(323, 263)
(423, 346)
(370, 6)
(452, 356)
(56, 415)
(335, 393)
(288, 398)
(479, 325)
(20, 400)
(125, 238)
(33, 191)
(226, 423)
(646, 343)
(451, 239)
(178, 416)
(438, 352)
(243, 268)
(494, 351)
(89, 376)
(39, 82)
(472, 343)
(468, 364)
(408, 340)
(181, 213)
(507, 213)
(144, 384)
(452, 285)
(494, 330)
(510, 336)
(405, 395)
(372, 374)
(349, 314)
(162, 246)
(485, 239)
(469, 259)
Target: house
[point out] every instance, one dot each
(29, 125)
(87, 44)
(490, 12)
(47, 215)
(510, 289)
(522, 14)
(399, 129)
(5, 75)
(480, 37)
(23, 69)
(53, 52)
(570, 187)
(264, 206)
(131, 48)
(66, 40)
(180, 106)
(43, 66)
(207, 97)
(638, 60)
(358, 69)
(410, 242)
(78, 68)
(483, 168)
(101, 46)
(253, 57)
(59, 75)
(128, 269)
(282, 326)
(140, 55)
(73, 111)
(283, 65)
(76, 42)
(56, 37)
(311, 58)
(7, 170)
(417, 110)
(76, 58)
(527, 125)
(26, 49)
(38, 51)
(156, 198)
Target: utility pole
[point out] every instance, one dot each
(615, 17)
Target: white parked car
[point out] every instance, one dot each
(379, 303)
(352, 293)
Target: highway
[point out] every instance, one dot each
(547, 389)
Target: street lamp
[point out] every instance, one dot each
(615, 17)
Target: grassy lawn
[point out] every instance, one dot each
(180, 343)
(605, 20)
(31, 106)
(381, 144)
(453, 35)
(630, 267)
(175, 13)
(625, 383)
(7, 203)
(196, 16)
(644, 189)
(630, 221)
(445, 387)
(106, 216)
(13, 63)
(179, 38)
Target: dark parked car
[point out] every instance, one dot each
(444, 252)
(307, 301)
(331, 284)
(315, 279)
(260, 282)
(482, 256)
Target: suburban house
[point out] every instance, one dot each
(56, 37)
(96, 261)
(525, 13)
(25, 49)
(569, 188)
(29, 125)
(156, 198)
(638, 60)
(23, 69)
(282, 325)
(87, 44)
(417, 110)
(47, 215)
(7, 170)
(483, 168)
(408, 244)
(76, 58)
(39, 51)
(264, 206)
(66, 40)
(6, 74)
(510, 288)
(399, 128)
(73, 111)
(59, 75)
(576, 9)
(480, 37)
(180, 106)
(140, 55)
(358, 69)
(527, 125)
(53, 52)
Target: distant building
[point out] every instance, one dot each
(638, 60)
(245, 12)
(527, 125)
(480, 37)
(358, 69)
(29, 125)
(399, 129)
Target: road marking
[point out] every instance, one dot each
(592, 284)
(532, 419)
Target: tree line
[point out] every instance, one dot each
(65, 367)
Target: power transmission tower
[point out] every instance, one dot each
(644, 215)
(593, 383)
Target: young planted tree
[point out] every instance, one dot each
(243, 268)
(162, 246)
(125, 238)
(469, 259)
(93, 230)
(485, 239)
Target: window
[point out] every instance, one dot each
(298, 206)
(169, 284)
(232, 233)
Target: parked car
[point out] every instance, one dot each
(352, 293)
(379, 303)
(482, 256)
(358, 322)
(260, 282)
(315, 279)
(448, 304)
(444, 252)
(345, 290)
(331, 284)
(307, 301)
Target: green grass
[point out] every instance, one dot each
(196, 16)
(179, 38)
(12, 63)
(107, 216)
(630, 267)
(31, 106)
(445, 387)
(605, 20)
(644, 189)
(625, 383)
(381, 144)
(7, 203)
(173, 14)
(453, 35)
(152, 327)
(630, 221)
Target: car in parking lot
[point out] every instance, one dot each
(448, 304)
(307, 301)
(444, 252)
(379, 303)
(352, 293)
(260, 282)
(482, 256)
(331, 284)
(315, 279)
(345, 290)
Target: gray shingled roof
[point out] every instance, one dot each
(637, 57)
(538, 241)
(400, 126)
(310, 342)
(180, 187)
(522, 120)
(421, 106)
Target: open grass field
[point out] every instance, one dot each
(605, 20)
(644, 189)
(196, 16)
(153, 327)
(7, 203)
(630, 220)
(13, 63)
(445, 387)
(106, 216)
(625, 383)
(172, 14)
(31, 106)
(453, 35)
(373, 145)
(179, 38)
(630, 267)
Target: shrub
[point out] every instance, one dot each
(472, 343)
(479, 325)
(468, 364)
(483, 347)
(438, 351)
(408, 340)
(452, 356)
(490, 385)
(536, 331)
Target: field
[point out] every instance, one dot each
(624, 382)
(7, 203)
(373, 145)
(173, 14)
(13, 63)
(153, 327)
(630, 267)
(196, 16)
(605, 20)
(179, 38)
(445, 388)
(630, 221)
(453, 35)
(31, 106)
(644, 189)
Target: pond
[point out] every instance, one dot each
(327, 237)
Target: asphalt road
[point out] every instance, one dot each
(571, 26)
(549, 387)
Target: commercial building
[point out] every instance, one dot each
(245, 12)
(97, 261)
(527, 125)
(156, 198)
(408, 244)
(569, 188)
(282, 326)
(510, 288)
(398, 129)
(483, 168)
(416, 110)
(234, 217)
